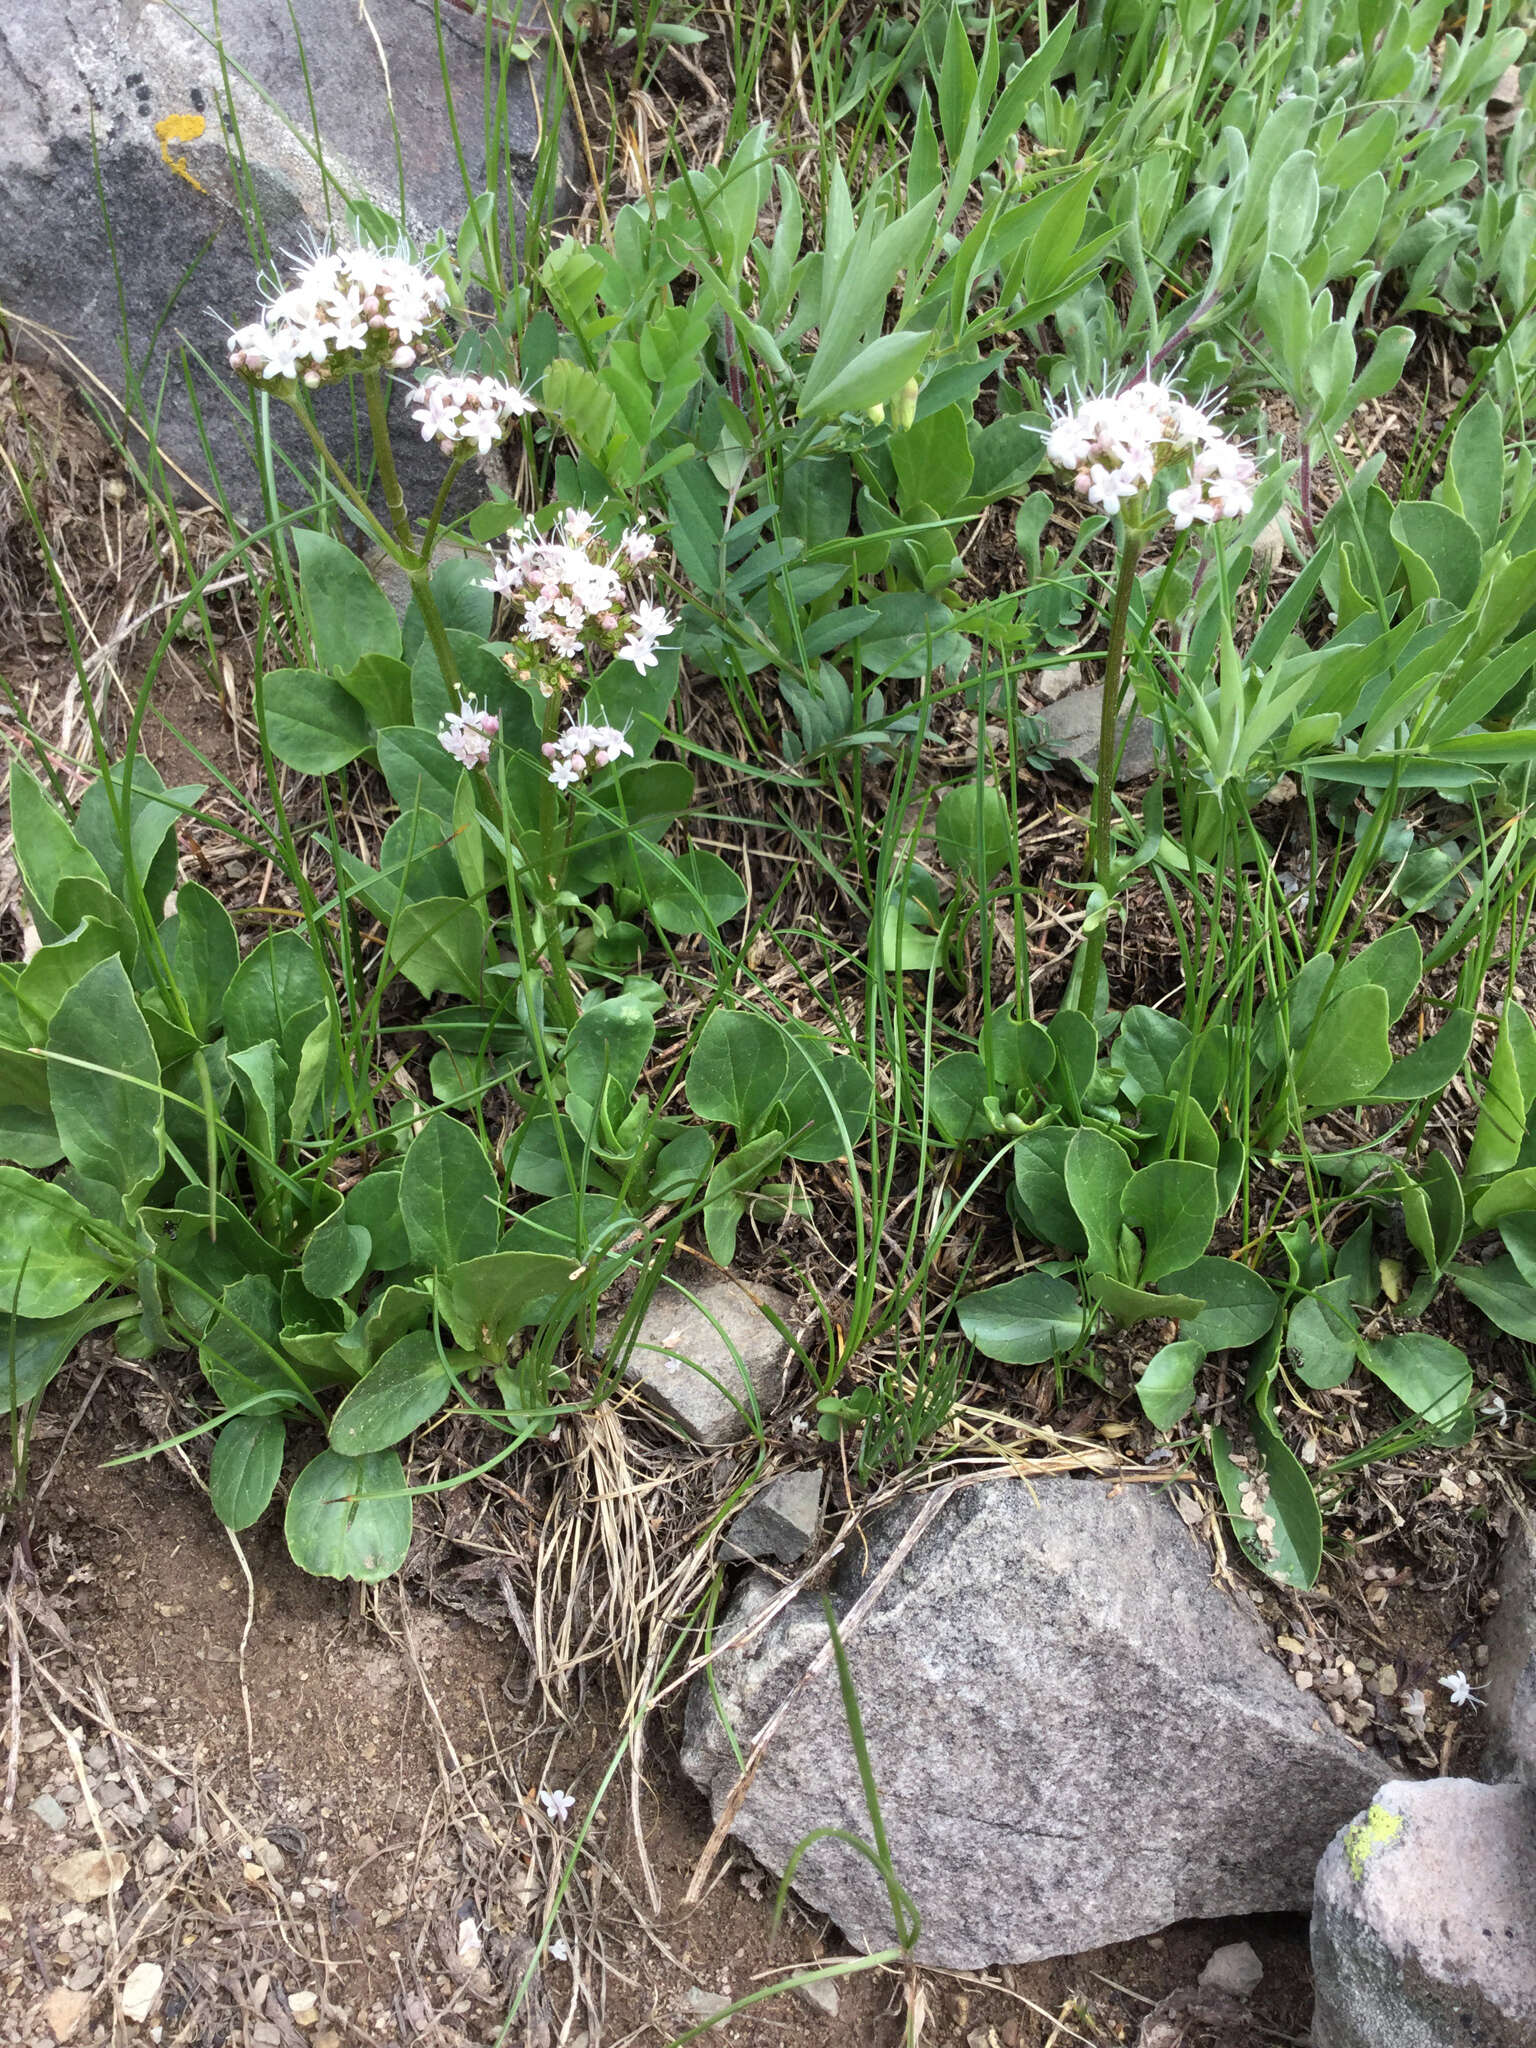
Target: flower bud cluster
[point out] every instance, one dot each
(573, 592)
(1115, 446)
(478, 410)
(347, 310)
(467, 734)
(583, 747)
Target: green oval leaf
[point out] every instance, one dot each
(1027, 1321)
(312, 723)
(406, 1388)
(349, 1518)
(243, 1472)
(48, 1263)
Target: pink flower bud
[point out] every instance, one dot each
(549, 749)
(403, 357)
(312, 379)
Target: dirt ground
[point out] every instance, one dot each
(320, 1821)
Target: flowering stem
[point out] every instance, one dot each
(1101, 816)
(417, 564)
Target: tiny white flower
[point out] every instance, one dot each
(1461, 1689)
(558, 1805)
(1496, 1408)
(560, 1951)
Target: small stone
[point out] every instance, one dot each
(706, 1351)
(822, 1996)
(1234, 1969)
(49, 1811)
(83, 1976)
(781, 1522)
(91, 1874)
(1072, 726)
(141, 1987)
(155, 1856)
(64, 2010)
(163, 1788)
(265, 2035)
(707, 2005)
(1506, 93)
(96, 1756)
(1051, 683)
(1421, 1920)
(269, 1856)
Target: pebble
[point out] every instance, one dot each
(64, 2010)
(707, 2004)
(156, 1856)
(822, 1996)
(141, 1987)
(49, 1811)
(1234, 1969)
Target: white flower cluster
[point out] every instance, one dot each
(467, 734)
(572, 591)
(467, 409)
(347, 309)
(581, 747)
(1115, 445)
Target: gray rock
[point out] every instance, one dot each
(1077, 1737)
(1510, 1702)
(122, 109)
(1422, 1926)
(821, 1996)
(1234, 1969)
(705, 1352)
(1050, 683)
(1072, 725)
(49, 1811)
(781, 1522)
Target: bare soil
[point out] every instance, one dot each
(315, 1795)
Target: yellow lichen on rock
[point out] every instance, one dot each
(180, 128)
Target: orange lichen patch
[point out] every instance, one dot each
(180, 128)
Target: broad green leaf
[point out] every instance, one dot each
(1474, 481)
(32, 1352)
(1240, 1306)
(1097, 1173)
(1284, 1538)
(440, 943)
(245, 1467)
(337, 1256)
(1136, 1304)
(278, 993)
(607, 1048)
(204, 953)
(1442, 554)
(820, 1078)
(1323, 1337)
(1506, 1299)
(690, 892)
(49, 1262)
(1431, 1066)
(153, 811)
(933, 460)
(419, 772)
(349, 1518)
(240, 1353)
(104, 1081)
(1040, 1188)
(448, 1195)
(1508, 1096)
(404, 1389)
(486, 1301)
(1173, 1204)
(1429, 1376)
(313, 724)
(30, 1137)
(1166, 1388)
(1347, 1053)
(974, 831)
(1027, 1321)
(47, 851)
(54, 970)
(739, 1069)
(349, 616)
(875, 374)
(373, 1205)
(381, 688)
